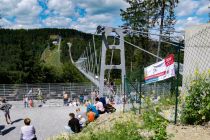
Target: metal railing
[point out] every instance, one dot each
(47, 90)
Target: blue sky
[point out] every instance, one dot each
(86, 15)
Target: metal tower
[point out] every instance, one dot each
(107, 31)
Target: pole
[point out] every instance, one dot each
(177, 87)
(4, 90)
(124, 94)
(49, 88)
(140, 89)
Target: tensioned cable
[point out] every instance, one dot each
(111, 61)
(140, 48)
(96, 63)
(164, 41)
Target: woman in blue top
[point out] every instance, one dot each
(91, 106)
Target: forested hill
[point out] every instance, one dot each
(21, 50)
(21, 53)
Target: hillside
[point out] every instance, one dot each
(22, 52)
(25, 56)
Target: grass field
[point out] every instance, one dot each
(52, 57)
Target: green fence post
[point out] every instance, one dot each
(177, 87)
(140, 98)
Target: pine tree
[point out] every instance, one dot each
(145, 14)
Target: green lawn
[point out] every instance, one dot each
(51, 57)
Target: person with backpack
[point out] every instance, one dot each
(6, 107)
(99, 106)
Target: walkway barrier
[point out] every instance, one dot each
(16, 92)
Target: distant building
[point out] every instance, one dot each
(55, 42)
(54, 39)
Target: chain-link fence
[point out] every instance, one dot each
(197, 52)
(196, 60)
(136, 93)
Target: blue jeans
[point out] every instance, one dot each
(68, 129)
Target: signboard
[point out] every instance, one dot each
(160, 71)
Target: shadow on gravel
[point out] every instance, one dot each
(16, 121)
(2, 127)
(6, 131)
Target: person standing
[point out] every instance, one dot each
(6, 107)
(40, 97)
(28, 131)
(31, 104)
(65, 98)
(25, 100)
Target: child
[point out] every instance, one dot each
(28, 131)
(25, 100)
(91, 115)
(82, 121)
(6, 107)
(31, 103)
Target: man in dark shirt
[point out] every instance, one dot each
(74, 123)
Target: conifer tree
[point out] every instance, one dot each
(146, 14)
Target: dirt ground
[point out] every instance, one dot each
(181, 132)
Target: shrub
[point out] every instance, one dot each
(197, 103)
(153, 121)
(120, 131)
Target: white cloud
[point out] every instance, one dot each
(190, 21)
(99, 12)
(203, 8)
(25, 26)
(186, 7)
(90, 22)
(57, 22)
(27, 7)
(61, 7)
(5, 23)
(24, 11)
(6, 7)
(103, 6)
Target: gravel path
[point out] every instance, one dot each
(48, 121)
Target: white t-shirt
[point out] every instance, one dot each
(82, 122)
(28, 132)
(99, 106)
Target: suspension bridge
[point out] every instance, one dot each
(93, 65)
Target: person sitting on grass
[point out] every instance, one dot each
(73, 124)
(93, 108)
(99, 106)
(91, 115)
(28, 131)
(82, 121)
(6, 107)
(79, 112)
